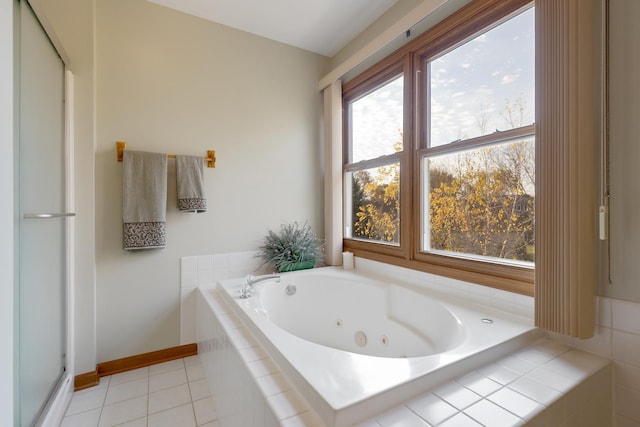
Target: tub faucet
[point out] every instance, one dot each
(250, 281)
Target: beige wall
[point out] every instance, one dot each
(623, 332)
(170, 82)
(624, 150)
(394, 14)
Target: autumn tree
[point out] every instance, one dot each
(479, 204)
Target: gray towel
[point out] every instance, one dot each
(190, 184)
(144, 200)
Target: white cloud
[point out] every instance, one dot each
(507, 78)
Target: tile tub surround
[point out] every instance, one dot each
(248, 388)
(206, 270)
(544, 384)
(617, 337)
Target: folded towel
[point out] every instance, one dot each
(144, 201)
(190, 184)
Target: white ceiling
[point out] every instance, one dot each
(320, 26)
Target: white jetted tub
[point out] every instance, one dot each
(355, 346)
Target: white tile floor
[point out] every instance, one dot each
(169, 394)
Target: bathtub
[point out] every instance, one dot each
(355, 346)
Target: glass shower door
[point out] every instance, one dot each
(42, 273)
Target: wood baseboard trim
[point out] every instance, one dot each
(86, 380)
(146, 359)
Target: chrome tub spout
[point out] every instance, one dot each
(251, 281)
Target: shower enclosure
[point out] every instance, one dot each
(42, 221)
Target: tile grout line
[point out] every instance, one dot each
(148, 394)
(193, 408)
(104, 400)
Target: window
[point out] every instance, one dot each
(439, 170)
(479, 162)
(372, 174)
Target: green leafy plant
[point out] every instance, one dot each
(294, 247)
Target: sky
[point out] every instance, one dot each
(377, 121)
(473, 84)
(470, 88)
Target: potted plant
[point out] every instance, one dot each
(294, 247)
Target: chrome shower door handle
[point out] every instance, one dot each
(48, 215)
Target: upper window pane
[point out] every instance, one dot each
(376, 122)
(485, 85)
